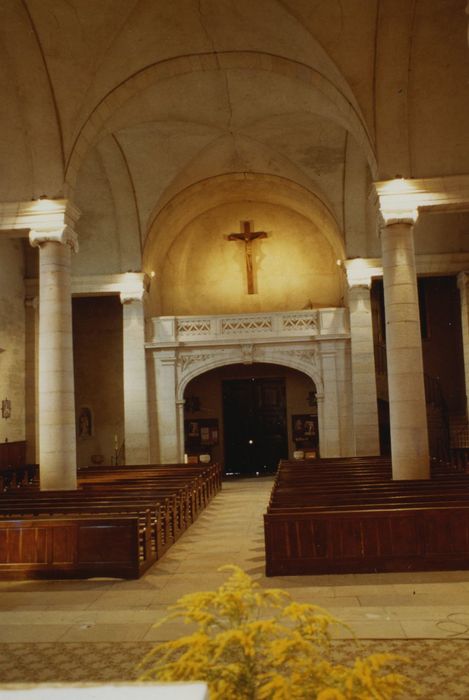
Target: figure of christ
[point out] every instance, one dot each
(248, 237)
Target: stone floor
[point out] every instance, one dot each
(119, 618)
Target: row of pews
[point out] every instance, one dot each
(118, 522)
(347, 515)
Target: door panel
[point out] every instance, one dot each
(255, 429)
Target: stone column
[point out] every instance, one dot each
(463, 281)
(407, 407)
(166, 407)
(136, 426)
(330, 434)
(31, 379)
(365, 402)
(180, 430)
(57, 436)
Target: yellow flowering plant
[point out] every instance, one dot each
(257, 644)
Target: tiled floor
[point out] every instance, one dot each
(55, 614)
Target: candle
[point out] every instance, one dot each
(115, 442)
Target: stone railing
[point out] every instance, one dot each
(172, 330)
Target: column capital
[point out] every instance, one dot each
(38, 215)
(134, 287)
(398, 201)
(64, 235)
(401, 199)
(128, 297)
(359, 273)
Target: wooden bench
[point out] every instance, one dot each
(362, 521)
(73, 547)
(141, 511)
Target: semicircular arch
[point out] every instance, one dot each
(344, 108)
(311, 372)
(222, 189)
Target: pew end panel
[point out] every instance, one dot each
(414, 539)
(73, 547)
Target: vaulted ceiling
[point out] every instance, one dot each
(125, 104)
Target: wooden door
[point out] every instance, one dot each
(255, 427)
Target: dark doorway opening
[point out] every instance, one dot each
(255, 425)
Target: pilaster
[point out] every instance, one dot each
(31, 379)
(166, 407)
(365, 402)
(330, 443)
(137, 448)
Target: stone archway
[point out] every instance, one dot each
(245, 416)
(314, 342)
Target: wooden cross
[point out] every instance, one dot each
(248, 237)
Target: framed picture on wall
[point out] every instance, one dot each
(200, 433)
(305, 429)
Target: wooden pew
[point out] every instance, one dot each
(357, 520)
(159, 502)
(73, 547)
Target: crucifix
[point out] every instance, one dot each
(248, 237)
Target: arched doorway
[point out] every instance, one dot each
(247, 416)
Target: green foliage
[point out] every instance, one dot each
(257, 644)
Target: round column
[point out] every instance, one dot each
(57, 438)
(408, 416)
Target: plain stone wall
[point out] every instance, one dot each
(12, 338)
(98, 368)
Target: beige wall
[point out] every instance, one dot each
(442, 231)
(294, 267)
(97, 352)
(12, 338)
(208, 388)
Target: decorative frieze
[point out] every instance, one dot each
(304, 322)
(234, 328)
(246, 324)
(186, 360)
(193, 327)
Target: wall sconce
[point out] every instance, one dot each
(6, 408)
(311, 398)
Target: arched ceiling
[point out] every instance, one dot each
(149, 97)
(168, 221)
